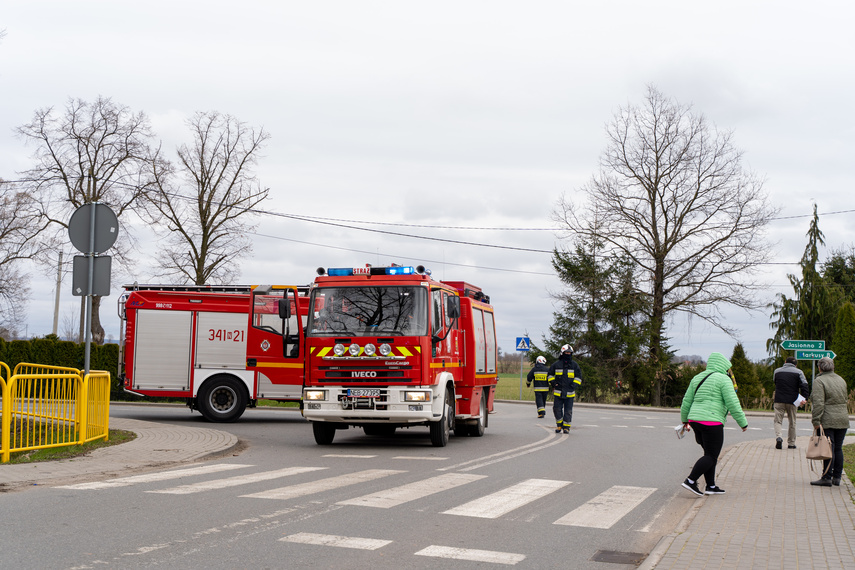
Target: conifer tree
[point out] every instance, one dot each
(844, 344)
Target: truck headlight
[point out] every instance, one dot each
(385, 349)
(315, 395)
(370, 349)
(354, 349)
(417, 396)
(338, 349)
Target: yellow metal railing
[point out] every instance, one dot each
(52, 406)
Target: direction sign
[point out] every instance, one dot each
(100, 275)
(803, 345)
(814, 354)
(523, 343)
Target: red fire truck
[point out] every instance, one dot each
(390, 347)
(221, 348)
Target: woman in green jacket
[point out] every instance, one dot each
(709, 398)
(829, 403)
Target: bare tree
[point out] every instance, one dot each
(205, 201)
(70, 329)
(20, 229)
(673, 197)
(91, 152)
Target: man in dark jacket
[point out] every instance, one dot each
(790, 383)
(565, 375)
(539, 375)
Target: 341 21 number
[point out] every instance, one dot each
(225, 335)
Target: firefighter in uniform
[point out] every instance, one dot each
(539, 376)
(564, 375)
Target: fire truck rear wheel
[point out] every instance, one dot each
(473, 428)
(439, 430)
(324, 432)
(222, 399)
(477, 430)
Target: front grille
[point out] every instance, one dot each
(361, 375)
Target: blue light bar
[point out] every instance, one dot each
(339, 271)
(368, 270)
(400, 270)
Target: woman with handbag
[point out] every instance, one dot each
(709, 398)
(828, 400)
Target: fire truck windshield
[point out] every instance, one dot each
(368, 311)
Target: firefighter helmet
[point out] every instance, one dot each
(567, 349)
(541, 360)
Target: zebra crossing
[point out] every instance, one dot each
(602, 511)
(486, 502)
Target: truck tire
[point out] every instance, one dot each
(473, 428)
(324, 432)
(439, 430)
(222, 399)
(477, 429)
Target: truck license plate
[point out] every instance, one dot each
(363, 393)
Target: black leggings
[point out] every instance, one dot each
(711, 439)
(836, 470)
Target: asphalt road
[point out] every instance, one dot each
(521, 495)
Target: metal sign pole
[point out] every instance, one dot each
(90, 257)
(521, 371)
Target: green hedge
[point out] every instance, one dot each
(55, 352)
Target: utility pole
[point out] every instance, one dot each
(58, 285)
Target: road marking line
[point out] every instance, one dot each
(417, 458)
(412, 491)
(154, 477)
(502, 502)
(510, 453)
(345, 456)
(235, 481)
(473, 555)
(607, 508)
(327, 484)
(333, 540)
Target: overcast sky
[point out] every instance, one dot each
(465, 113)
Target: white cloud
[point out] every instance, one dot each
(451, 113)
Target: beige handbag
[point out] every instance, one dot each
(819, 448)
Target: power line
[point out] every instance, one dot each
(343, 223)
(401, 257)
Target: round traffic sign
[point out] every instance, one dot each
(106, 228)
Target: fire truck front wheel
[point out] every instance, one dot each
(324, 432)
(439, 430)
(222, 399)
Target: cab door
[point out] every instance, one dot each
(275, 345)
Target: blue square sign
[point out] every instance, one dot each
(523, 344)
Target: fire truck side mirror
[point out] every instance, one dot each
(452, 310)
(284, 309)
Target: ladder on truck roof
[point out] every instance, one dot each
(190, 288)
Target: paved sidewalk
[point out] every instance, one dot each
(769, 517)
(156, 445)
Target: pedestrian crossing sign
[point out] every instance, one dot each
(523, 343)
